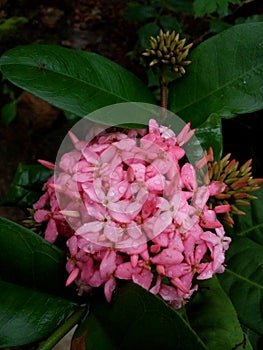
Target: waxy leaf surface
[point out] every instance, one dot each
(29, 260)
(135, 318)
(225, 76)
(213, 317)
(26, 187)
(32, 286)
(28, 316)
(73, 80)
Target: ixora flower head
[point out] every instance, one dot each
(131, 207)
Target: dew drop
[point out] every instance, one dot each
(244, 82)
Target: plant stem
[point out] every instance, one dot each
(164, 93)
(63, 330)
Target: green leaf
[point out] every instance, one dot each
(243, 281)
(138, 12)
(170, 23)
(213, 317)
(255, 339)
(203, 7)
(75, 81)
(8, 112)
(29, 260)
(26, 185)
(209, 134)
(136, 318)
(28, 316)
(250, 225)
(217, 25)
(218, 81)
(33, 298)
(180, 6)
(145, 32)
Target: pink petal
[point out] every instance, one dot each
(179, 284)
(156, 288)
(134, 260)
(143, 279)
(90, 156)
(47, 164)
(42, 201)
(73, 275)
(51, 232)
(178, 270)
(216, 187)
(188, 175)
(168, 256)
(96, 280)
(112, 232)
(108, 264)
(72, 244)
(185, 134)
(134, 230)
(87, 270)
(154, 127)
(209, 220)
(156, 184)
(161, 222)
(109, 288)
(124, 271)
(94, 226)
(138, 171)
(117, 190)
(168, 293)
(41, 215)
(222, 208)
(201, 197)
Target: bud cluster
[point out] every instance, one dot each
(168, 50)
(238, 180)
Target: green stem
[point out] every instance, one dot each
(63, 330)
(164, 91)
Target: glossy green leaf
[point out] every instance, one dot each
(26, 185)
(209, 134)
(217, 80)
(28, 315)
(255, 339)
(135, 318)
(29, 260)
(213, 317)
(73, 80)
(243, 281)
(251, 225)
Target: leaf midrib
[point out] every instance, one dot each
(238, 276)
(71, 78)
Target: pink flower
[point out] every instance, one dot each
(134, 210)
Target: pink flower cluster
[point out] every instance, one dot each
(135, 211)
